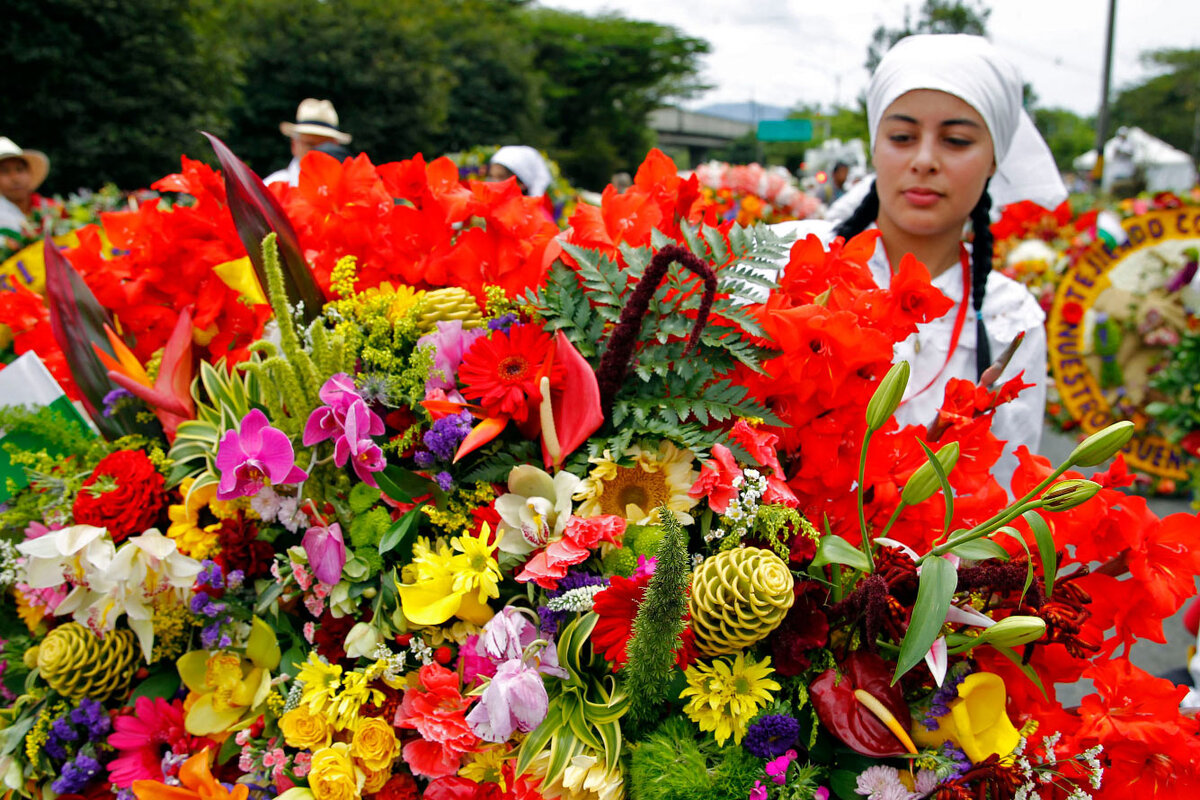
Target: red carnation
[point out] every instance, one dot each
(124, 494)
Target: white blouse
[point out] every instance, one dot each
(1008, 309)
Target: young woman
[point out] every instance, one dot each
(949, 141)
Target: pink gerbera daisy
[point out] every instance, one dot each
(144, 737)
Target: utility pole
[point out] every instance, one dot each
(1102, 117)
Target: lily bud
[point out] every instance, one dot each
(924, 481)
(1068, 494)
(1013, 631)
(887, 397)
(362, 640)
(1102, 445)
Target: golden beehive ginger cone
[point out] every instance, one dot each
(738, 597)
(449, 303)
(76, 663)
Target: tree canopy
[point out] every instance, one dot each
(117, 91)
(1167, 104)
(934, 16)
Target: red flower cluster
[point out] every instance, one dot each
(417, 223)
(25, 312)
(157, 262)
(124, 494)
(616, 607)
(502, 371)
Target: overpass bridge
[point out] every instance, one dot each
(694, 133)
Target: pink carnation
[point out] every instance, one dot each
(436, 710)
(549, 565)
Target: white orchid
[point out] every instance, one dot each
(66, 555)
(536, 509)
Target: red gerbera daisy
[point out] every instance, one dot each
(502, 371)
(616, 607)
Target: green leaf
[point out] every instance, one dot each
(1029, 671)
(980, 550)
(537, 741)
(946, 490)
(1046, 547)
(836, 550)
(938, 581)
(401, 530)
(160, 684)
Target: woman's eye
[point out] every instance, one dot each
(957, 141)
(900, 138)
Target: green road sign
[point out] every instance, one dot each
(785, 130)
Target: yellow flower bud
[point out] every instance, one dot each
(1102, 445)
(924, 481)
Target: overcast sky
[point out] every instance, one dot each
(783, 52)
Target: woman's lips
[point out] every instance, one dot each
(922, 198)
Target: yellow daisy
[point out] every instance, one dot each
(190, 538)
(659, 477)
(725, 697)
(474, 567)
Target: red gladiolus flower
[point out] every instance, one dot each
(502, 371)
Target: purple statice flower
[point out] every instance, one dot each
(236, 578)
(771, 736)
(62, 729)
(214, 608)
(947, 693)
(449, 344)
(210, 575)
(113, 399)
(444, 480)
(424, 459)
(502, 323)
(447, 433)
(92, 716)
(54, 747)
(254, 455)
(199, 600)
(213, 637)
(952, 752)
(326, 551)
(515, 699)
(550, 620)
(76, 775)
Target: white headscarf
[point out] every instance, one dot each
(971, 69)
(527, 164)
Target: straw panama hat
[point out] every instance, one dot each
(316, 117)
(39, 164)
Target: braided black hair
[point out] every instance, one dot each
(863, 216)
(981, 268)
(981, 259)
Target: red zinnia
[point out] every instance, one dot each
(124, 494)
(502, 371)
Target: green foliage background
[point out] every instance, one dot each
(115, 91)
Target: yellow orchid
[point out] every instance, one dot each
(977, 721)
(229, 688)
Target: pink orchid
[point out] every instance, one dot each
(253, 456)
(356, 445)
(329, 421)
(326, 550)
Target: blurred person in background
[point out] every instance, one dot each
(316, 126)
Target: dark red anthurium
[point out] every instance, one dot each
(833, 697)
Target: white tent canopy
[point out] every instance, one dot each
(1164, 167)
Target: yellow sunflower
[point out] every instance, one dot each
(658, 477)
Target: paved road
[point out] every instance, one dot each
(1151, 656)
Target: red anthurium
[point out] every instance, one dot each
(575, 402)
(841, 712)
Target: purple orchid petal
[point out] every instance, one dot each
(334, 390)
(341, 451)
(276, 455)
(321, 425)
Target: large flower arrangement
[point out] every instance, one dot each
(750, 193)
(598, 528)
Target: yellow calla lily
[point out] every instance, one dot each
(977, 721)
(239, 276)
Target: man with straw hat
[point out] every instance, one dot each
(21, 172)
(316, 124)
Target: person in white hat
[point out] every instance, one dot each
(21, 172)
(316, 124)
